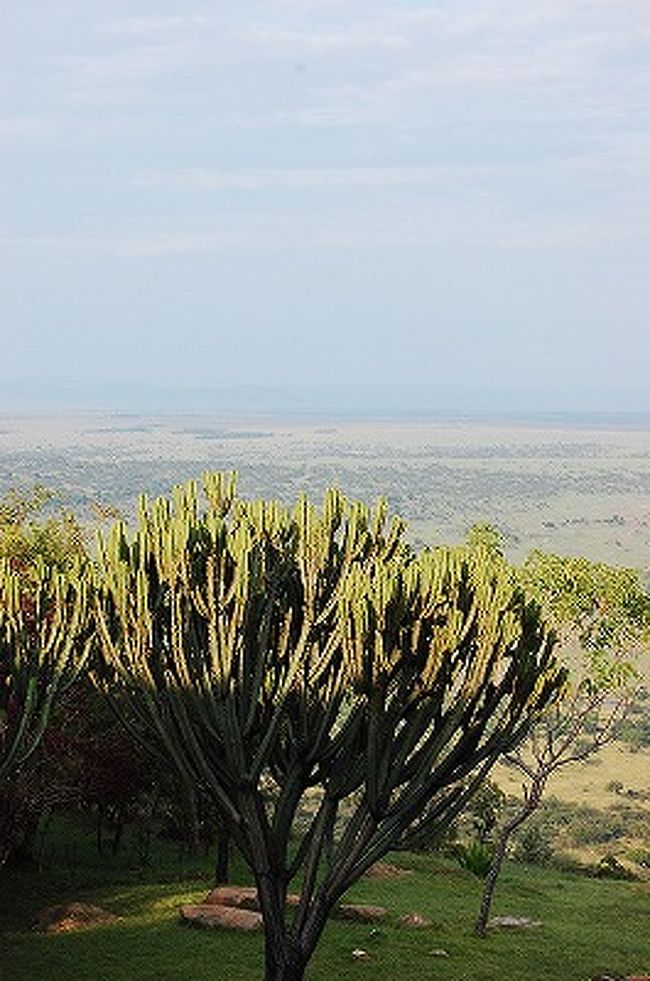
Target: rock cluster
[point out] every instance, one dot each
(238, 908)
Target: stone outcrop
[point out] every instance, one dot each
(414, 921)
(229, 917)
(237, 897)
(513, 922)
(237, 908)
(384, 870)
(241, 897)
(360, 913)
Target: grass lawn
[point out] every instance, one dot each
(589, 926)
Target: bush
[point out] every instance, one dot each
(609, 867)
(476, 857)
(533, 846)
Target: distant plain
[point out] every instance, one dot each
(566, 487)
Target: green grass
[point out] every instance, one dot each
(589, 926)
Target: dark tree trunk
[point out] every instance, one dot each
(287, 948)
(285, 964)
(287, 958)
(285, 953)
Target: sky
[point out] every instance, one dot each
(325, 204)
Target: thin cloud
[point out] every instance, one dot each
(27, 127)
(293, 178)
(348, 39)
(463, 220)
(128, 64)
(145, 26)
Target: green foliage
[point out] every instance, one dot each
(635, 727)
(602, 616)
(603, 609)
(484, 809)
(44, 625)
(533, 846)
(476, 857)
(484, 536)
(44, 641)
(609, 867)
(32, 533)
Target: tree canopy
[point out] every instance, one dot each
(601, 615)
(270, 651)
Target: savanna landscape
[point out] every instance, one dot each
(324, 490)
(140, 844)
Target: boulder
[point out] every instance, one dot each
(360, 954)
(414, 921)
(244, 899)
(359, 913)
(384, 870)
(228, 917)
(238, 897)
(513, 922)
(72, 916)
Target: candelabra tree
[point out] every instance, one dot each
(44, 641)
(304, 648)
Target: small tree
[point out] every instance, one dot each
(33, 531)
(301, 648)
(44, 641)
(602, 616)
(44, 638)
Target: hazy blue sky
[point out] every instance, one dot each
(446, 202)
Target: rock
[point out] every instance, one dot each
(229, 917)
(72, 916)
(238, 897)
(359, 954)
(359, 913)
(513, 922)
(439, 952)
(638, 977)
(384, 870)
(414, 921)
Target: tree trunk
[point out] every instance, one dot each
(284, 957)
(503, 838)
(288, 963)
(287, 949)
(491, 879)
